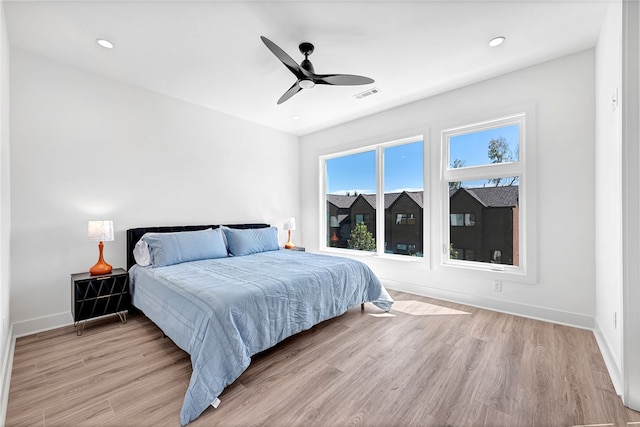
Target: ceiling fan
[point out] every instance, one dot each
(305, 74)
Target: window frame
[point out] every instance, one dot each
(524, 168)
(379, 148)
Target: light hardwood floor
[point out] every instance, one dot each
(429, 363)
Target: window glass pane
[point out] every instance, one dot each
(485, 147)
(403, 198)
(469, 220)
(351, 201)
(485, 221)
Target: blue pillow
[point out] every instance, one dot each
(252, 240)
(174, 248)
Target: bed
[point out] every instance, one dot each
(226, 304)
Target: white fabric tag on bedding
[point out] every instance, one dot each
(215, 403)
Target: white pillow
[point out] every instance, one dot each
(141, 253)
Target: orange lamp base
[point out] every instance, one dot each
(289, 244)
(101, 267)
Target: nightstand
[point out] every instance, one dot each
(296, 248)
(95, 296)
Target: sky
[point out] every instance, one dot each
(472, 148)
(404, 163)
(357, 172)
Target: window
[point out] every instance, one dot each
(459, 253)
(405, 219)
(405, 249)
(469, 220)
(482, 178)
(460, 220)
(346, 178)
(366, 218)
(457, 220)
(382, 188)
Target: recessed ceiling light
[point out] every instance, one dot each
(295, 117)
(105, 43)
(496, 41)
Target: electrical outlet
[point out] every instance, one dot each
(615, 320)
(5, 323)
(497, 285)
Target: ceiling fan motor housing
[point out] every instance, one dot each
(307, 65)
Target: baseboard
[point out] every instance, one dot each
(609, 360)
(534, 312)
(40, 324)
(7, 364)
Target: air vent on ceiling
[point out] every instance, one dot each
(366, 93)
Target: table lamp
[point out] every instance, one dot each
(289, 224)
(100, 231)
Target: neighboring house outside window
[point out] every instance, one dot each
(483, 175)
(363, 210)
(398, 214)
(339, 220)
(493, 223)
(404, 222)
(407, 231)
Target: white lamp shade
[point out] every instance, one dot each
(289, 224)
(333, 222)
(100, 231)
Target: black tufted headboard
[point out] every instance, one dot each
(134, 234)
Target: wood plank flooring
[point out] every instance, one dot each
(427, 363)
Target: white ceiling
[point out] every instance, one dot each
(210, 53)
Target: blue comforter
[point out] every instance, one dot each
(223, 311)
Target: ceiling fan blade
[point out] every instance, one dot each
(341, 79)
(292, 65)
(288, 94)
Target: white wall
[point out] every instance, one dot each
(85, 147)
(563, 94)
(5, 210)
(608, 186)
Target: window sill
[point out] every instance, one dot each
(350, 253)
(490, 271)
